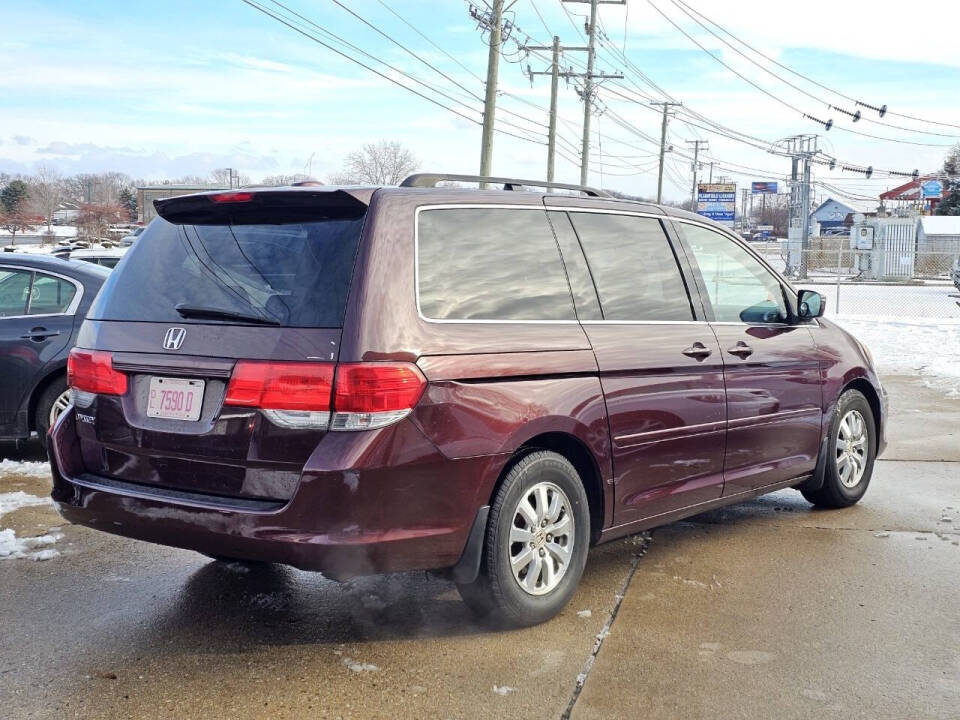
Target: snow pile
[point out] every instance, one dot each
(928, 347)
(358, 666)
(35, 548)
(15, 500)
(26, 468)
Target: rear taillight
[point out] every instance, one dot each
(280, 385)
(91, 371)
(362, 396)
(371, 395)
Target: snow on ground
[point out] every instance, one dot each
(35, 548)
(25, 468)
(15, 500)
(928, 347)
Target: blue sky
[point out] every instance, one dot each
(164, 89)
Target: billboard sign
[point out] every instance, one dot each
(717, 201)
(932, 189)
(763, 188)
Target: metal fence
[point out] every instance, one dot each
(890, 282)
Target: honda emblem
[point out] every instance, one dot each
(173, 339)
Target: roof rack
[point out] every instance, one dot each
(423, 180)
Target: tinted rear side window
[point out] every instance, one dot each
(295, 274)
(633, 266)
(490, 264)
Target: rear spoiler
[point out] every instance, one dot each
(267, 206)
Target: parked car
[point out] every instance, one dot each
(836, 232)
(130, 238)
(43, 301)
(107, 257)
(478, 382)
(955, 273)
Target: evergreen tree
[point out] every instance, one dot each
(13, 197)
(128, 201)
(950, 204)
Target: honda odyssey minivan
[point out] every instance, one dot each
(483, 383)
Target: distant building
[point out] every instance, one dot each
(910, 195)
(939, 234)
(831, 214)
(147, 194)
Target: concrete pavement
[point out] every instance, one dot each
(767, 609)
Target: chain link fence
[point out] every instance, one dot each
(871, 282)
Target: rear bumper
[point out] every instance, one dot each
(368, 502)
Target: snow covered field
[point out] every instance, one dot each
(904, 301)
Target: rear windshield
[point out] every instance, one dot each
(295, 275)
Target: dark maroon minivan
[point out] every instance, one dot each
(479, 382)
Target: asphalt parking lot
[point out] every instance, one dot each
(767, 609)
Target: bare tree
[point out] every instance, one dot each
(96, 218)
(278, 180)
(227, 176)
(382, 163)
(46, 192)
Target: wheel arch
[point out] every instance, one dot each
(579, 455)
(866, 388)
(37, 392)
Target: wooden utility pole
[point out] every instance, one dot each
(588, 86)
(663, 145)
(490, 100)
(696, 156)
(554, 72)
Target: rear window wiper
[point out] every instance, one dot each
(193, 311)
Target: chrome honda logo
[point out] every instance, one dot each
(173, 338)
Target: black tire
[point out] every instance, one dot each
(496, 594)
(41, 416)
(834, 493)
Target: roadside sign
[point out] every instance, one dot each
(932, 189)
(717, 201)
(763, 188)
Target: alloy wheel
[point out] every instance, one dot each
(852, 448)
(541, 538)
(61, 403)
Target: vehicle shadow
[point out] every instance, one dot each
(238, 604)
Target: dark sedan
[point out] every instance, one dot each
(43, 301)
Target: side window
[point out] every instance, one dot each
(50, 295)
(490, 264)
(581, 283)
(14, 291)
(739, 287)
(633, 266)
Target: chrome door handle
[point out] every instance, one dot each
(698, 351)
(741, 350)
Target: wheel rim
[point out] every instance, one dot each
(852, 449)
(541, 539)
(59, 405)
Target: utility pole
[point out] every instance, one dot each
(554, 74)
(663, 144)
(588, 86)
(490, 100)
(696, 154)
(800, 149)
(711, 172)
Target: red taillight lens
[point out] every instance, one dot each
(92, 371)
(377, 387)
(280, 385)
(232, 197)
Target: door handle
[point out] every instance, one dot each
(39, 333)
(741, 350)
(698, 351)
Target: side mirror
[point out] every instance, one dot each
(810, 304)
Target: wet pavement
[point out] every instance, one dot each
(765, 609)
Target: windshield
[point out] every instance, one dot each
(295, 274)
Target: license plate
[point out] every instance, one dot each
(175, 398)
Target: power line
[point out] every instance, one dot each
(794, 108)
(298, 27)
(689, 12)
(814, 82)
